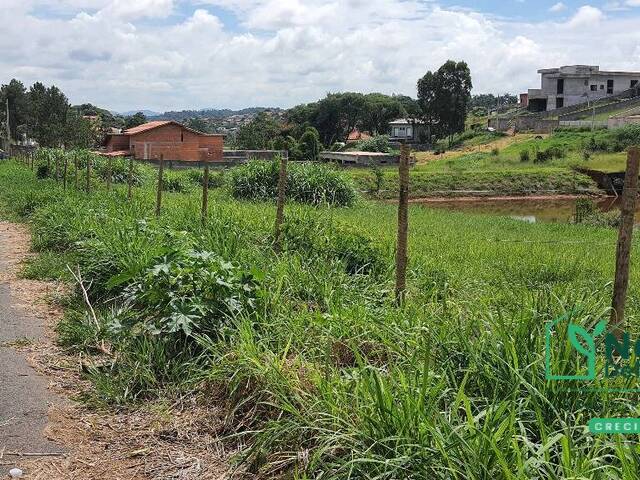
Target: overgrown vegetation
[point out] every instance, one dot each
(321, 374)
(311, 183)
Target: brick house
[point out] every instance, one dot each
(168, 138)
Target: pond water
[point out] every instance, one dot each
(532, 210)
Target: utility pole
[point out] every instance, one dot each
(8, 130)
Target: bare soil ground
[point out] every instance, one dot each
(154, 441)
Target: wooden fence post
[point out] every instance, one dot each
(75, 169)
(88, 173)
(282, 190)
(159, 194)
(109, 172)
(205, 192)
(56, 163)
(64, 175)
(625, 234)
(130, 179)
(403, 225)
(32, 156)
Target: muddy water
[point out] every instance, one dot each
(525, 209)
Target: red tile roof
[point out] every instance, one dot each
(160, 123)
(356, 135)
(146, 126)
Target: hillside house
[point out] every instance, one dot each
(168, 138)
(575, 84)
(409, 131)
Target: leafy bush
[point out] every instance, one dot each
(43, 172)
(310, 183)
(377, 143)
(525, 156)
(175, 182)
(330, 241)
(216, 177)
(188, 292)
(119, 171)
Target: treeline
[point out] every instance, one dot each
(44, 114)
(442, 103)
(207, 113)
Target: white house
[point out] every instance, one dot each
(574, 84)
(409, 130)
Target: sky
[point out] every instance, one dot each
(192, 54)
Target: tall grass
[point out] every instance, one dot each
(311, 183)
(321, 374)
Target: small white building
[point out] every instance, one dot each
(574, 84)
(409, 130)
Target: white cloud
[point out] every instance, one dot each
(558, 7)
(149, 53)
(586, 16)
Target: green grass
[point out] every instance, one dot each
(324, 377)
(519, 168)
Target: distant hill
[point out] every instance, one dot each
(147, 113)
(209, 113)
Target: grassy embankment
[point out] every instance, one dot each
(321, 374)
(499, 166)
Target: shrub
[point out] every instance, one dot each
(310, 145)
(175, 182)
(525, 156)
(378, 178)
(495, 151)
(310, 183)
(188, 292)
(542, 156)
(330, 241)
(378, 143)
(43, 172)
(216, 177)
(119, 171)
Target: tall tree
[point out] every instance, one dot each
(48, 114)
(135, 120)
(79, 132)
(259, 133)
(198, 124)
(444, 98)
(310, 144)
(16, 94)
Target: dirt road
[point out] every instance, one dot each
(38, 381)
(24, 397)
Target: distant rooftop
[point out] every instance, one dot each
(406, 121)
(582, 70)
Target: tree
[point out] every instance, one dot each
(378, 111)
(289, 144)
(48, 114)
(310, 144)
(16, 94)
(79, 131)
(259, 133)
(198, 124)
(339, 114)
(488, 101)
(135, 120)
(444, 98)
